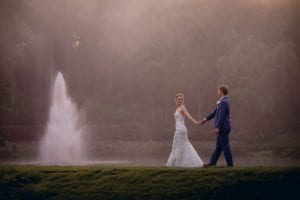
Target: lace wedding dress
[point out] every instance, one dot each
(183, 153)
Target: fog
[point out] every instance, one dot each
(124, 61)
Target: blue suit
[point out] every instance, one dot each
(222, 122)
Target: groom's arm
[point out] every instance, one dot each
(211, 115)
(221, 118)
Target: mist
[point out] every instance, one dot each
(124, 61)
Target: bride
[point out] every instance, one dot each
(183, 153)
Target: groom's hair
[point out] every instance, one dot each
(224, 89)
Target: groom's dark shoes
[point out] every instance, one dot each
(208, 165)
(211, 165)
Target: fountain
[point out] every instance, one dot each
(63, 139)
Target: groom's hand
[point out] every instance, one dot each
(203, 121)
(217, 131)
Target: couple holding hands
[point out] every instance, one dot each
(183, 153)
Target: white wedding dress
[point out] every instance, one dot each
(183, 153)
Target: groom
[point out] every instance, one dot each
(222, 128)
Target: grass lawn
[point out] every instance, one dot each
(137, 182)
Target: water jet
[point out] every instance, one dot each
(63, 141)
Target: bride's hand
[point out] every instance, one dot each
(197, 122)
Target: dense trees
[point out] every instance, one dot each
(262, 83)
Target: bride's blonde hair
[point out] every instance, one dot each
(178, 95)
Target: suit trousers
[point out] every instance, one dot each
(222, 144)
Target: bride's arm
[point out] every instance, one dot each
(187, 114)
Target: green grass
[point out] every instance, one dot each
(122, 182)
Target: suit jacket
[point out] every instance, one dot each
(221, 115)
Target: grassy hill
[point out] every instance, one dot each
(139, 182)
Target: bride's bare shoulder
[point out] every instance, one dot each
(181, 108)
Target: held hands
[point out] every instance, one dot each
(203, 121)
